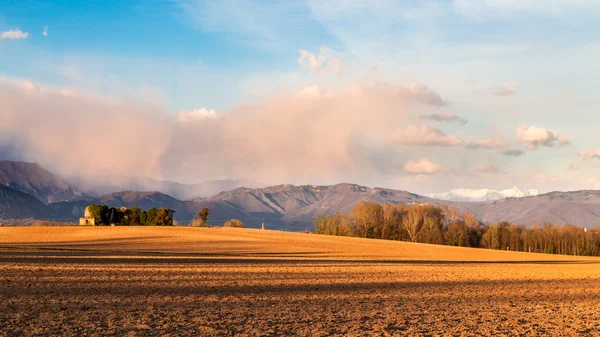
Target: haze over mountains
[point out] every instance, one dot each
(110, 184)
(34, 180)
(483, 194)
(29, 191)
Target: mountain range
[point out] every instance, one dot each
(34, 180)
(110, 184)
(483, 194)
(286, 207)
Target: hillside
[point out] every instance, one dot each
(16, 204)
(578, 207)
(253, 243)
(34, 180)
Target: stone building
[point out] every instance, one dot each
(88, 219)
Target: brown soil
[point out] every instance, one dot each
(229, 281)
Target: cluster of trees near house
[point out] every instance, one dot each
(448, 226)
(132, 216)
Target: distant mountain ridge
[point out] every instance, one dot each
(34, 180)
(17, 204)
(469, 195)
(109, 184)
(291, 207)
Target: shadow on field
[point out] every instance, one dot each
(480, 290)
(75, 257)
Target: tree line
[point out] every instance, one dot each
(133, 216)
(448, 226)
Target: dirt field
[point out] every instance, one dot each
(216, 281)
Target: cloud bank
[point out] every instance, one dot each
(322, 137)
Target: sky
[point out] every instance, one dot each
(424, 96)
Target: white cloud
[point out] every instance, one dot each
(590, 154)
(425, 136)
(424, 166)
(535, 137)
(507, 89)
(14, 34)
(445, 117)
(325, 61)
(195, 115)
(45, 33)
(488, 144)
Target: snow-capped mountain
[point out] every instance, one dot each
(462, 194)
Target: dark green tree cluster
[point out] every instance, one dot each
(447, 226)
(134, 216)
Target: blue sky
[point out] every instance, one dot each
(497, 64)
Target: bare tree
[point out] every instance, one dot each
(367, 217)
(412, 223)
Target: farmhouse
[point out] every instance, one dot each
(98, 215)
(88, 219)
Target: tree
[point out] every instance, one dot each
(235, 223)
(151, 217)
(433, 222)
(473, 229)
(412, 223)
(133, 216)
(203, 214)
(201, 217)
(456, 234)
(143, 218)
(452, 215)
(367, 217)
(162, 217)
(104, 215)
